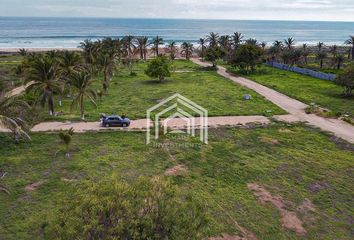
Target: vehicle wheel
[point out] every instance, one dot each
(125, 125)
(107, 125)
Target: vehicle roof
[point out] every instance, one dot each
(113, 116)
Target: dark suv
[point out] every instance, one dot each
(115, 121)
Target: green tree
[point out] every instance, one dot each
(142, 44)
(187, 50)
(172, 49)
(202, 43)
(345, 79)
(113, 209)
(237, 39)
(9, 107)
(81, 82)
(156, 42)
(44, 75)
(213, 54)
(289, 43)
(66, 138)
(247, 57)
(213, 39)
(159, 67)
(321, 56)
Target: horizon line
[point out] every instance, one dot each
(162, 18)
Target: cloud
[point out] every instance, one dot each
(219, 9)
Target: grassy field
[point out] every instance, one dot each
(133, 95)
(306, 89)
(294, 162)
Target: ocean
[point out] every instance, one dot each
(30, 32)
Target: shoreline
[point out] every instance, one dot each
(16, 50)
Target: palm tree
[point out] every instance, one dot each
(237, 39)
(110, 50)
(213, 39)
(23, 52)
(320, 45)
(8, 107)
(225, 44)
(142, 44)
(339, 60)
(187, 50)
(263, 45)
(68, 62)
(202, 43)
(81, 82)
(350, 41)
(172, 48)
(66, 137)
(128, 45)
(289, 43)
(88, 48)
(252, 41)
(156, 42)
(321, 56)
(44, 75)
(305, 52)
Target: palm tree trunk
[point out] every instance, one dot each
(82, 107)
(51, 105)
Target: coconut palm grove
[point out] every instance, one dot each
(278, 161)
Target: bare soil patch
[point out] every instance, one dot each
(228, 237)
(268, 140)
(289, 220)
(33, 186)
(178, 170)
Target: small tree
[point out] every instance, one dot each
(213, 54)
(159, 67)
(247, 57)
(112, 209)
(66, 137)
(346, 80)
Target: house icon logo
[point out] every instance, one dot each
(177, 114)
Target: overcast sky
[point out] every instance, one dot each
(331, 10)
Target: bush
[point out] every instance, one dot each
(111, 209)
(247, 57)
(346, 80)
(159, 68)
(213, 54)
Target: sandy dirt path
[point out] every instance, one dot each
(141, 124)
(294, 107)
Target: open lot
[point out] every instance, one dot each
(310, 171)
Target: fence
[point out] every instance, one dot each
(305, 71)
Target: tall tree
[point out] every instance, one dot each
(187, 50)
(202, 43)
(81, 82)
(9, 105)
(237, 39)
(213, 39)
(289, 43)
(321, 56)
(305, 52)
(142, 44)
(172, 49)
(44, 75)
(225, 45)
(350, 41)
(157, 42)
(320, 45)
(88, 47)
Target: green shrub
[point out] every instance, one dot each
(159, 68)
(112, 209)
